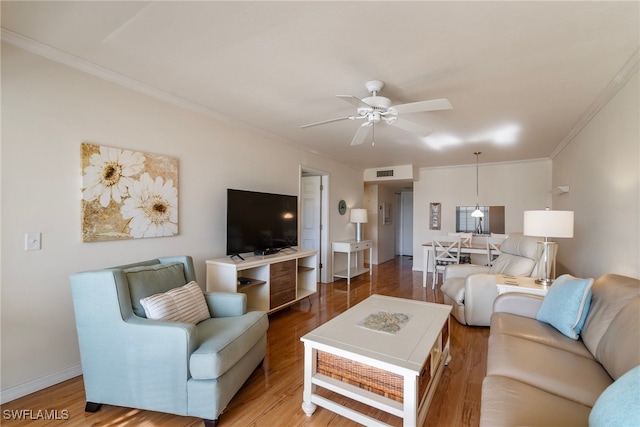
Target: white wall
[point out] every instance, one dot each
(48, 110)
(382, 236)
(371, 230)
(601, 165)
(518, 186)
(406, 231)
(386, 232)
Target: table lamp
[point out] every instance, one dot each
(548, 223)
(359, 217)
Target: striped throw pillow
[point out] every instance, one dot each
(183, 304)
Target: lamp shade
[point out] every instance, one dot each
(477, 213)
(359, 216)
(548, 223)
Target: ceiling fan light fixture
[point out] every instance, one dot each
(390, 119)
(376, 108)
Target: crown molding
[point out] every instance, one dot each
(473, 165)
(621, 78)
(74, 62)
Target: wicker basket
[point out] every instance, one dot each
(368, 378)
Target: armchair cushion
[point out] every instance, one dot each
(519, 256)
(183, 304)
(566, 305)
(224, 341)
(226, 304)
(153, 279)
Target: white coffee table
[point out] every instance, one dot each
(394, 372)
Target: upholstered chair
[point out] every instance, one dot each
(189, 367)
(471, 289)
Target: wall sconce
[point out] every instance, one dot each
(563, 189)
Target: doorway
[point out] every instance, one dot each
(406, 223)
(314, 227)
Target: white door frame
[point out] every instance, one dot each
(324, 252)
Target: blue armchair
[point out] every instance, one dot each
(166, 366)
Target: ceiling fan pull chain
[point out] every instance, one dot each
(373, 134)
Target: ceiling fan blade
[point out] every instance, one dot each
(328, 121)
(412, 127)
(361, 134)
(421, 106)
(355, 101)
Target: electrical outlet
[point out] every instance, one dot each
(32, 242)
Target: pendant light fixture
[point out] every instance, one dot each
(477, 213)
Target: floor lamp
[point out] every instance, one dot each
(359, 217)
(548, 223)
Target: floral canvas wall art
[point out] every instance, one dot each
(127, 194)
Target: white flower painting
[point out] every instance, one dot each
(127, 194)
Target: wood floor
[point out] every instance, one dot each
(273, 394)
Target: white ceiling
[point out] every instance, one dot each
(520, 75)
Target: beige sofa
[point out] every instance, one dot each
(538, 377)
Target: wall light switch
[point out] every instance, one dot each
(32, 241)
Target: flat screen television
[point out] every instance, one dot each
(262, 223)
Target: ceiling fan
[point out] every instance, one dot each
(376, 108)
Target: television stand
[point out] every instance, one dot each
(265, 252)
(270, 282)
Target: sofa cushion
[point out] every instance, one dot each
(619, 404)
(611, 292)
(566, 305)
(154, 279)
(507, 402)
(566, 374)
(224, 341)
(618, 351)
(183, 304)
(539, 332)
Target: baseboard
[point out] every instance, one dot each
(21, 390)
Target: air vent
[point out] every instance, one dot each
(390, 173)
(380, 174)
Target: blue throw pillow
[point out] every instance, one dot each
(619, 404)
(566, 305)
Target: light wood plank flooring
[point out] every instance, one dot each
(273, 394)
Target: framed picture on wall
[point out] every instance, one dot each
(127, 194)
(386, 213)
(434, 216)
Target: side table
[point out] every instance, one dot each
(350, 247)
(506, 283)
